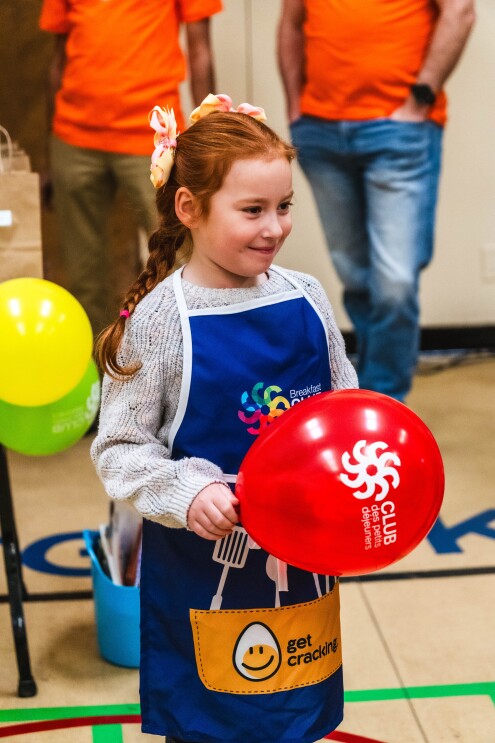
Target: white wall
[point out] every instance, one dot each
(456, 289)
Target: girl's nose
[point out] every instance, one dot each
(272, 227)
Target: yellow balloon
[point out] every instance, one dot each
(45, 340)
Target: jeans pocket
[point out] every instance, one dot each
(295, 123)
(409, 138)
(294, 126)
(409, 127)
(296, 129)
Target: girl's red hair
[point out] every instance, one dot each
(204, 155)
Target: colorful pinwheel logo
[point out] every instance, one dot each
(262, 407)
(371, 469)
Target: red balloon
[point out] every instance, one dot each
(343, 483)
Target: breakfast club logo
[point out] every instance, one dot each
(262, 406)
(372, 471)
(258, 656)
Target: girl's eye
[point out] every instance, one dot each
(285, 206)
(252, 209)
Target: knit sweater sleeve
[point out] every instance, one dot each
(129, 452)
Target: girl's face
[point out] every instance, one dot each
(248, 222)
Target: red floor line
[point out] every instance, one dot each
(74, 722)
(70, 722)
(350, 738)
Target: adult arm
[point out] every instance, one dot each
(452, 29)
(55, 73)
(290, 54)
(54, 82)
(200, 59)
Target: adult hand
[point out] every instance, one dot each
(293, 113)
(212, 514)
(411, 111)
(46, 190)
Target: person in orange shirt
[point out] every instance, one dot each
(112, 61)
(365, 101)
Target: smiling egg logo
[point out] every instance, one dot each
(257, 654)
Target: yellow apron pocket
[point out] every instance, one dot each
(261, 651)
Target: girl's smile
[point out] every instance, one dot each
(247, 224)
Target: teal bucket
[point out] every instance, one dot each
(116, 613)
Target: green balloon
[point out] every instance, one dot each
(48, 429)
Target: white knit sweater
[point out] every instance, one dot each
(130, 451)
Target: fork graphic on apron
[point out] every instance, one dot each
(231, 551)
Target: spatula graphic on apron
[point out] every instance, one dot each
(276, 570)
(231, 551)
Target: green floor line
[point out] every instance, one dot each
(62, 713)
(423, 692)
(108, 734)
(365, 695)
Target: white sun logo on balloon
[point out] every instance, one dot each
(373, 470)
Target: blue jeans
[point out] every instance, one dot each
(375, 184)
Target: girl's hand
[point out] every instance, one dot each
(212, 514)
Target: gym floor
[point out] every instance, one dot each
(419, 656)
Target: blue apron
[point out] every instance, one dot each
(235, 645)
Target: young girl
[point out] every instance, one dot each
(235, 645)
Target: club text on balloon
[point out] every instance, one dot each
(377, 518)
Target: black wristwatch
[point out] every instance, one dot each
(423, 94)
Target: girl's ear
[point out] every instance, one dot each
(186, 207)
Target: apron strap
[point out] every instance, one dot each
(187, 356)
(295, 283)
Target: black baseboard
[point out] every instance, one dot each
(472, 338)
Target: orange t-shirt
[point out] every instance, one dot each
(122, 58)
(362, 56)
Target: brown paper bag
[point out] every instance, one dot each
(20, 217)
